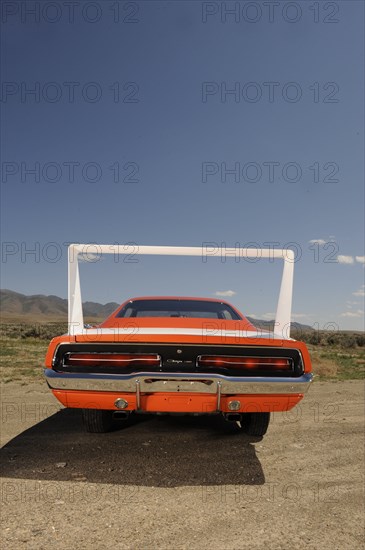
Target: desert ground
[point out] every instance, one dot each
(181, 482)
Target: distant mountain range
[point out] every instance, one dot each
(40, 308)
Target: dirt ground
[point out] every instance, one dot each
(178, 482)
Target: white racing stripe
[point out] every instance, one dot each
(131, 330)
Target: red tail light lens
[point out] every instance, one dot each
(112, 359)
(264, 363)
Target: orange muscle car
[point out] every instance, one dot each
(167, 355)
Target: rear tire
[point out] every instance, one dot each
(255, 423)
(97, 420)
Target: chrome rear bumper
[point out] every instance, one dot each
(144, 382)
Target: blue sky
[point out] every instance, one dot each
(182, 123)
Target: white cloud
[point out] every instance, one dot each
(358, 313)
(321, 242)
(265, 316)
(225, 293)
(360, 259)
(268, 316)
(360, 292)
(345, 259)
(300, 315)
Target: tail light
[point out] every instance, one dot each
(255, 363)
(111, 359)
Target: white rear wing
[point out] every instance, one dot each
(75, 251)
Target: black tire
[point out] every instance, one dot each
(97, 420)
(255, 423)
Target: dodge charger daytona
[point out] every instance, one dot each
(177, 355)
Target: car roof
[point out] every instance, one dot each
(175, 298)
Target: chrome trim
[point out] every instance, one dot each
(146, 382)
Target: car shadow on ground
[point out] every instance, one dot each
(162, 451)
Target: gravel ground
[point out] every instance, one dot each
(179, 482)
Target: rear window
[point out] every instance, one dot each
(178, 308)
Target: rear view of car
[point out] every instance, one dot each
(178, 355)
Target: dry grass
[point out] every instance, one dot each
(21, 359)
(335, 363)
(325, 368)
